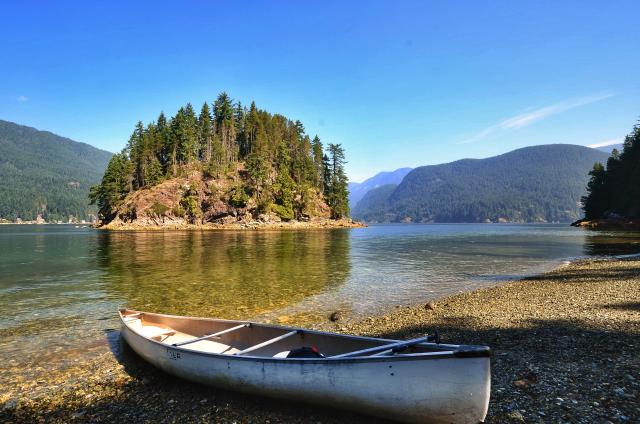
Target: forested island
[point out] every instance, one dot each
(613, 192)
(227, 165)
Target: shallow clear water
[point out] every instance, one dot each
(61, 284)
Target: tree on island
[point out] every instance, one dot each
(336, 188)
(285, 169)
(614, 190)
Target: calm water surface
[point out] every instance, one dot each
(60, 284)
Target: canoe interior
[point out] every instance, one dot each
(172, 330)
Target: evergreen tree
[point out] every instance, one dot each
(205, 133)
(252, 123)
(172, 144)
(134, 151)
(284, 187)
(308, 172)
(239, 117)
(338, 192)
(326, 176)
(318, 164)
(258, 170)
(615, 190)
(225, 127)
(108, 195)
(150, 145)
(164, 134)
(188, 134)
(596, 202)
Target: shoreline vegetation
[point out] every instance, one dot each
(613, 191)
(564, 347)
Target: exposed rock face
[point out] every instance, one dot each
(195, 200)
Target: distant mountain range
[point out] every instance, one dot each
(358, 190)
(532, 184)
(44, 174)
(609, 148)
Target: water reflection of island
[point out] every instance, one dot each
(606, 244)
(223, 274)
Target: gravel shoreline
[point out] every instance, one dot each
(315, 223)
(566, 348)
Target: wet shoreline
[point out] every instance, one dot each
(312, 224)
(565, 350)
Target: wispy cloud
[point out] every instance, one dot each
(531, 116)
(22, 99)
(607, 143)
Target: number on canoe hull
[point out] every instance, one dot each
(173, 355)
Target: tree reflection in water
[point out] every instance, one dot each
(222, 274)
(608, 243)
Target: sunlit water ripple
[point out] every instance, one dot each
(60, 285)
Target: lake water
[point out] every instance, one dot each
(60, 284)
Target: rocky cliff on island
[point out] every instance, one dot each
(232, 167)
(199, 201)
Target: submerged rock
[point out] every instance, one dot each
(430, 306)
(10, 405)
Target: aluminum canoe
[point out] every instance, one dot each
(423, 383)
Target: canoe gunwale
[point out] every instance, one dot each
(456, 351)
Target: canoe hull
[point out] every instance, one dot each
(447, 390)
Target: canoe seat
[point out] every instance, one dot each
(153, 331)
(207, 345)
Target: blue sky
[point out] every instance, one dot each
(398, 83)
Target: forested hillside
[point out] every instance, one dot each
(223, 164)
(373, 202)
(615, 190)
(533, 184)
(42, 173)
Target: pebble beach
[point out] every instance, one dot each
(565, 350)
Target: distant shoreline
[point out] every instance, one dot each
(235, 226)
(608, 223)
(84, 224)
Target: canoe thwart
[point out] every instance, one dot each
(213, 335)
(386, 348)
(268, 342)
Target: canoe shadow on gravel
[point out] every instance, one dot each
(546, 360)
(566, 359)
(158, 396)
(612, 274)
(629, 306)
